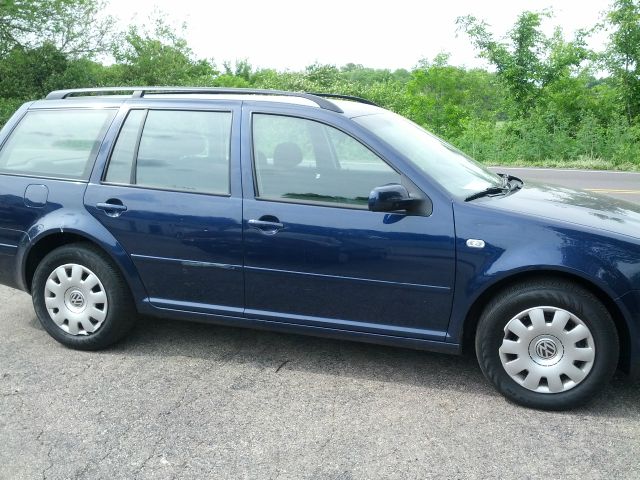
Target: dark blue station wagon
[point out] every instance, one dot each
(316, 214)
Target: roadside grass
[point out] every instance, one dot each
(578, 164)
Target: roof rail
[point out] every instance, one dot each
(139, 92)
(344, 97)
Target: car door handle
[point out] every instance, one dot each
(266, 226)
(112, 207)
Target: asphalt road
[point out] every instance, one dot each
(181, 400)
(623, 185)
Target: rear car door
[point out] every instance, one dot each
(170, 194)
(315, 255)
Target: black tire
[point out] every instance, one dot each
(553, 293)
(120, 314)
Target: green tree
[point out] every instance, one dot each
(622, 56)
(28, 74)
(529, 60)
(159, 57)
(25, 73)
(323, 76)
(444, 97)
(74, 27)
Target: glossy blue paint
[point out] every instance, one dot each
(177, 241)
(346, 267)
(392, 278)
(522, 235)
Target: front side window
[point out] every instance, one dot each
(302, 160)
(173, 150)
(56, 143)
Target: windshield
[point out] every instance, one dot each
(448, 166)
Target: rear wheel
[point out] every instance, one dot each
(81, 298)
(547, 344)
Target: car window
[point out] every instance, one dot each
(173, 150)
(56, 143)
(303, 160)
(120, 166)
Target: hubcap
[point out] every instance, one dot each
(75, 299)
(547, 349)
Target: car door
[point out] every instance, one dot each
(314, 253)
(170, 194)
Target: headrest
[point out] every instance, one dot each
(287, 155)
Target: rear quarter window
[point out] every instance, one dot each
(56, 143)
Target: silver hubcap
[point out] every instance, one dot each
(547, 349)
(75, 299)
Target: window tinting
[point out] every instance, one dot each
(56, 143)
(299, 159)
(178, 150)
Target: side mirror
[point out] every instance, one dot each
(391, 198)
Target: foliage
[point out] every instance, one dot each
(623, 53)
(73, 26)
(157, 57)
(533, 61)
(545, 100)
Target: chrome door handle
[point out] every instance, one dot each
(112, 208)
(266, 226)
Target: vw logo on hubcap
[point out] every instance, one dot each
(76, 299)
(546, 348)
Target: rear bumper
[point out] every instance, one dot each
(12, 244)
(629, 304)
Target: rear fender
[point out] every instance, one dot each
(85, 226)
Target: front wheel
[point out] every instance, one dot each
(81, 298)
(548, 344)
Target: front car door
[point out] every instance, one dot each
(171, 196)
(314, 254)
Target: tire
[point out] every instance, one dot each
(81, 298)
(547, 344)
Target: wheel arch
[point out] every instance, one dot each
(473, 314)
(47, 242)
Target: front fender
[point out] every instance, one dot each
(515, 245)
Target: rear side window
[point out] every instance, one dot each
(56, 143)
(173, 150)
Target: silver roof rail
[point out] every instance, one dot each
(139, 92)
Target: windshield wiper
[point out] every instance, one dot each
(514, 183)
(487, 192)
(509, 184)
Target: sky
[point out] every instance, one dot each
(290, 35)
